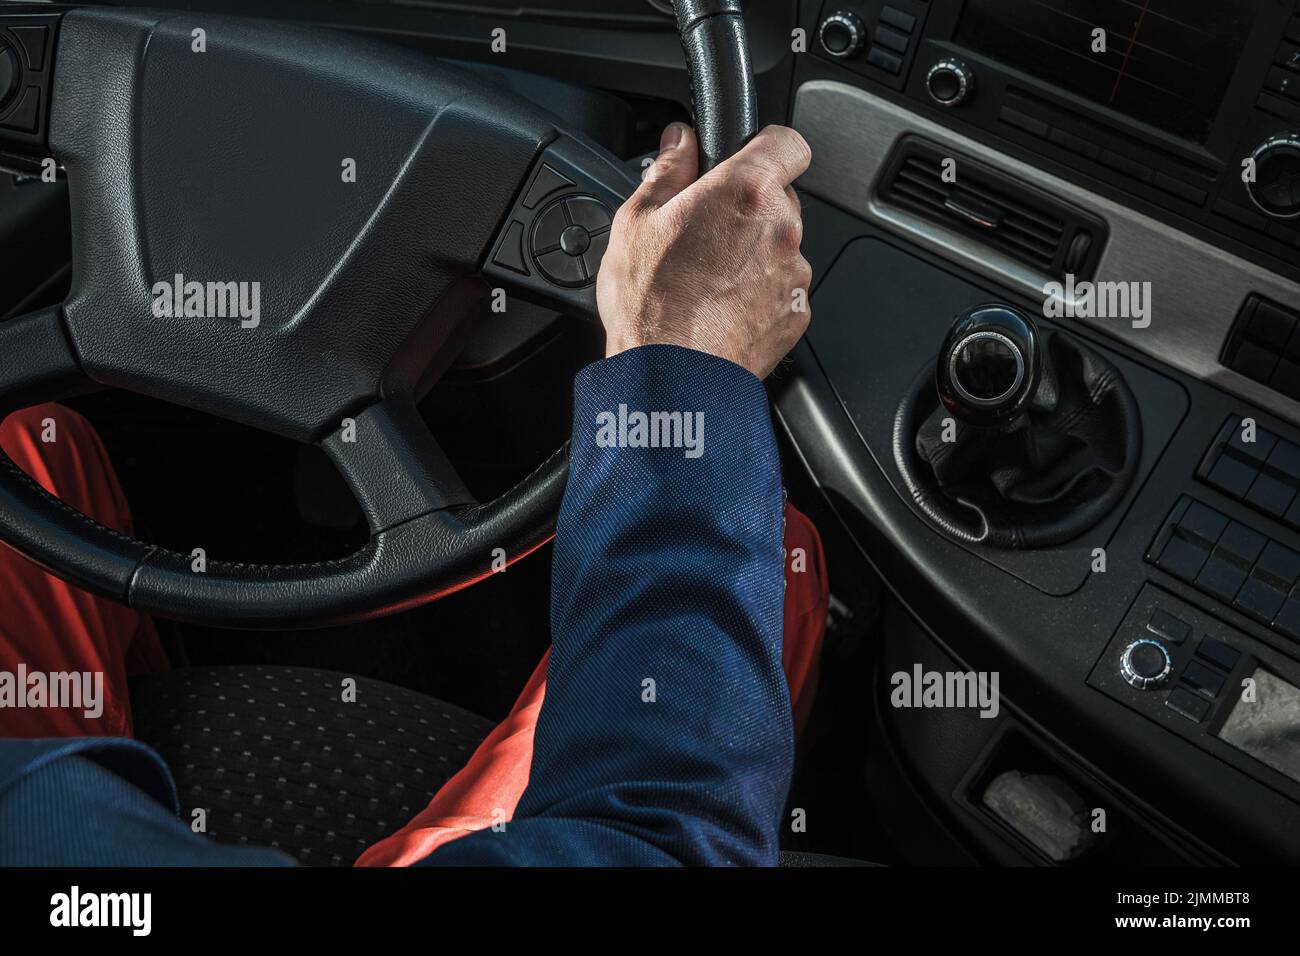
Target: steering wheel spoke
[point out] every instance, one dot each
(37, 363)
(394, 465)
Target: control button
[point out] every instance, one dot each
(1201, 678)
(595, 253)
(1276, 189)
(562, 269)
(1283, 82)
(1253, 361)
(1244, 217)
(891, 39)
(1173, 629)
(1257, 450)
(544, 183)
(1232, 475)
(1185, 545)
(1288, 619)
(1269, 583)
(511, 251)
(1292, 516)
(1271, 493)
(1177, 186)
(26, 114)
(1076, 144)
(1218, 653)
(10, 73)
(592, 214)
(898, 19)
(1190, 705)
(950, 82)
(1024, 121)
(1203, 522)
(1285, 460)
(1230, 561)
(1284, 230)
(1145, 664)
(1286, 378)
(574, 241)
(842, 34)
(1271, 325)
(885, 60)
(1129, 167)
(547, 229)
(32, 40)
(1183, 557)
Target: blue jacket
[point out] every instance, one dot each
(665, 736)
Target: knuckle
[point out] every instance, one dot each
(755, 188)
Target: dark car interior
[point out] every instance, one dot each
(1117, 543)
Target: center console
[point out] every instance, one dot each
(972, 156)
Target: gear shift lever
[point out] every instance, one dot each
(1049, 437)
(990, 365)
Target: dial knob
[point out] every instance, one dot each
(1276, 189)
(950, 82)
(842, 34)
(989, 365)
(1146, 664)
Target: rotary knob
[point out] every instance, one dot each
(842, 34)
(950, 82)
(1146, 664)
(1276, 188)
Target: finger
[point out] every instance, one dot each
(675, 168)
(777, 151)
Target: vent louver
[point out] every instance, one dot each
(1014, 218)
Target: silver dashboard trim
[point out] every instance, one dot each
(1196, 288)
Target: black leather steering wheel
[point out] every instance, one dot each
(223, 166)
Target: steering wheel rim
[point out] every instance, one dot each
(429, 537)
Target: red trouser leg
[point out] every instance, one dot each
(488, 788)
(48, 626)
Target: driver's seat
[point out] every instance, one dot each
(276, 756)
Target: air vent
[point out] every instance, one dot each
(1018, 220)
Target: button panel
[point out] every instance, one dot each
(1100, 144)
(1182, 681)
(891, 30)
(564, 238)
(1208, 683)
(1232, 563)
(552, 242)
(1264, 473)
(1264, 345)
(26, 60)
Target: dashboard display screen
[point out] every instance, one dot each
(1166, 62)
(1268, 727)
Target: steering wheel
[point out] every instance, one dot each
(224, 260)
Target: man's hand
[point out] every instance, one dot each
(711, 264)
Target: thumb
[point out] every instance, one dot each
(675, 168)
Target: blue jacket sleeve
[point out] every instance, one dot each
(665, 735)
